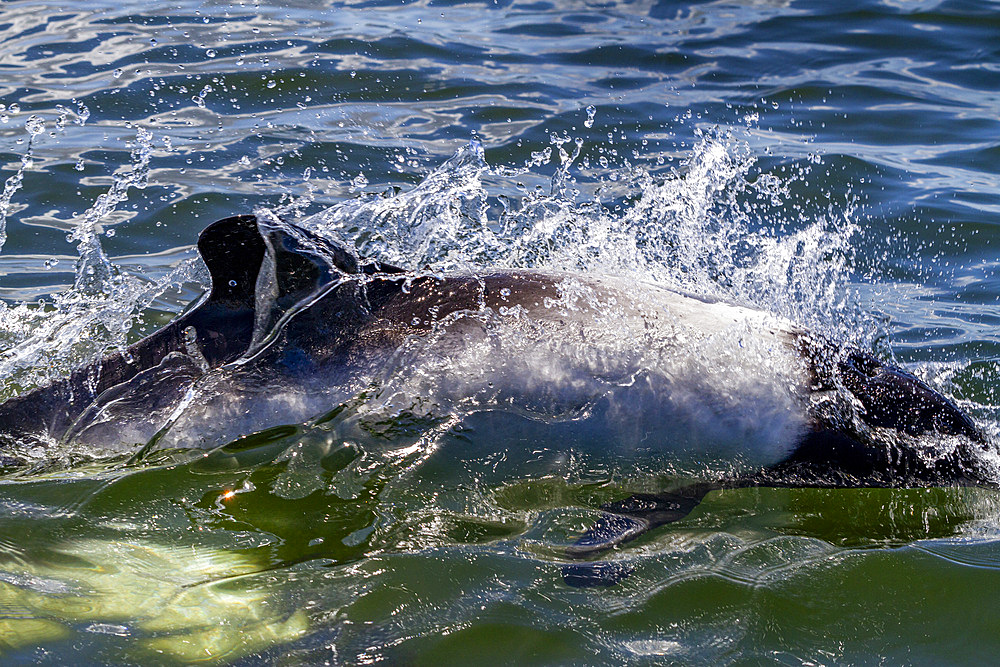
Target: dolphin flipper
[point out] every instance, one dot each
(624, 521)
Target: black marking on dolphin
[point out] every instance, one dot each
(273, 281)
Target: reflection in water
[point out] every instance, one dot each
(186, 603)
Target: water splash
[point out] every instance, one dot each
(41, 343)
(34, 126)
(719, 226)
(441, 223)
(715, 226)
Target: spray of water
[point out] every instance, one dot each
(34, 127)
(718, 226)
(43, 342)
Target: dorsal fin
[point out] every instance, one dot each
(297, 265)
(302, 261)
(233, 250)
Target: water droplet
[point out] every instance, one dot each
(34, 125)
(359, 182)
(79, 165)
(211, 53)
(232, 283)
(117, 73)
(353, 74)
(82, 111)
(591, 112)
(271, 84)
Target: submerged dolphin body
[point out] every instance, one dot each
(305, 319)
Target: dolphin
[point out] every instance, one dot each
(644, 366)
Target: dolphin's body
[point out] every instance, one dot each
(294, 324)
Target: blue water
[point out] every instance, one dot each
(857, 142)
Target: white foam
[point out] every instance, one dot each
(631, 366)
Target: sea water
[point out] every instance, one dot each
(832, 166)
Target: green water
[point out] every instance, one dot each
(845, 176)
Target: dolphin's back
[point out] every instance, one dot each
(215, 331)
(293, 320)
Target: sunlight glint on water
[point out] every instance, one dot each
(830, 164)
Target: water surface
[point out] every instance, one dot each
(832, 163)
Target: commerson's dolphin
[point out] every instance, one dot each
(293, 323)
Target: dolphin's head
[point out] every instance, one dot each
(957, 449)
